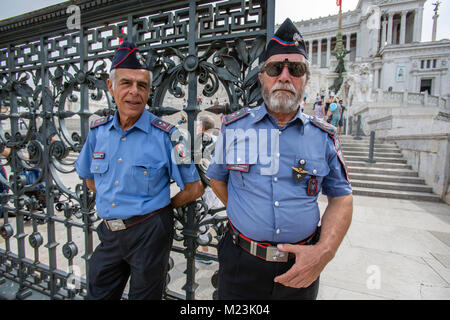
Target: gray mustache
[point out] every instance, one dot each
(287, 86)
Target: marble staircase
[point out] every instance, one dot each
(389, 177)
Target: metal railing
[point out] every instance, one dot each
(46, 66)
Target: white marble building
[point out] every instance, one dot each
(385, 35)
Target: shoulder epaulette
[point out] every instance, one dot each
(181, 154)
(325, 126)
(235, 116)
(101, 121)
(331, 130)
(162, 125)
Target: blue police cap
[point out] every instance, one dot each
(287, 39)
(128, 56)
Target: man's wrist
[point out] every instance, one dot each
(327, 250)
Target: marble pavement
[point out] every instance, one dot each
(394, 249)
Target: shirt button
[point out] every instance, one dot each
(96, 168)
(280, 132)
(113, 205)
(145, 173)
(277, 203)
(275, 179)
(314, 171)
(278, 231)
(116, 183)
(120, 160)
(124, 138)
(278, 155)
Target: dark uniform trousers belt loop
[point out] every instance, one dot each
(122, 224)
(265, 250)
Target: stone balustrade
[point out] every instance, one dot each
(389, 98)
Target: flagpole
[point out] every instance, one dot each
(339, 52)
(340, 15)
(339, 47)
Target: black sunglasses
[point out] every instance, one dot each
(296, 69)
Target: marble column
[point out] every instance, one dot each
(328, 51)
(376, 74)
(319, 52)
(347, 41)
(383, 33)
(418, 14)
(310, 53)
(403, 27)
(433, 34)
(390, 27)
(358, 43)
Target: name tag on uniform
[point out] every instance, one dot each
(98, 155)
(239, 167)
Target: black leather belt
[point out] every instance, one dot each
(265, 250)
(122, 224)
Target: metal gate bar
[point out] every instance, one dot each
(53, 79)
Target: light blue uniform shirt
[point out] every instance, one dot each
(268, 203)
(131, 169)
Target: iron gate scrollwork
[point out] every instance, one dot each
(53, 83)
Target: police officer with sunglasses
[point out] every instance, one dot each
(270, 164)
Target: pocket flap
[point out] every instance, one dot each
(314, 167)
(100, 166)
(142, 163)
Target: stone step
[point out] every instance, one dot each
(386, 178)
(363, 140)
(383, 185)
(366, 145)
(377, 159)
(376, 154)
(383, 171)
(376, 150)
(377, 141)
(409, 195)
(384, 165)
(352, 137)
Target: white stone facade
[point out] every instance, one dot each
(386, 35)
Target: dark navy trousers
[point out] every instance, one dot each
(243, 276)
(140, 252)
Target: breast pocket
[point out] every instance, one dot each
(317, 168)
(148, 178)
(99, 168)
(236, 178)
(239, 173)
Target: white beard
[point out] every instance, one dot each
(282, 102)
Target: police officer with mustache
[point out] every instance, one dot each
(270, 164)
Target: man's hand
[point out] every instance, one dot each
(311, 260)
(192, 191)
(309, 263)
(91, 185)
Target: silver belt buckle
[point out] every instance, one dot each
(274, 255)
(116, 225)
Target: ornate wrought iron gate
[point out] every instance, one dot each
(47, 68)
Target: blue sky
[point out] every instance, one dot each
(305, 9)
